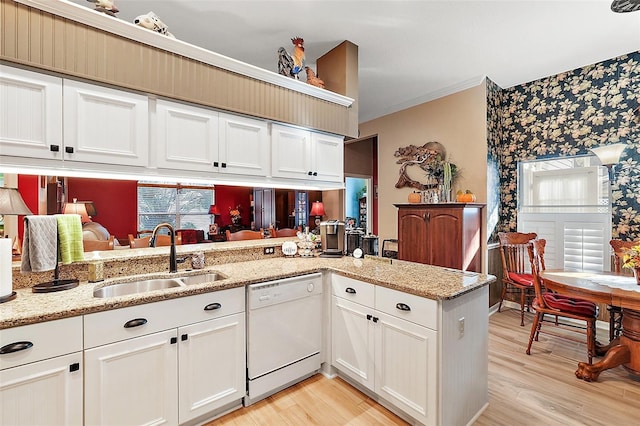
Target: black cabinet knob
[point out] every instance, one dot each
(68, 149)
(54, 148)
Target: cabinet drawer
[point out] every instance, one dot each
(354, 290)
(211, 305)
(410, 307)
(47, 339)
(121, 324)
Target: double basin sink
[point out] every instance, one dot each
(144, 286)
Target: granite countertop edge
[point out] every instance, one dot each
(422, 280)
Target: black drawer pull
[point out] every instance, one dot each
(212, 306)
(135, 322)
(310, 173)
(224, 165)
(184, 337)
(74, 367)
(375, 319)
(15, 347)
(403, 306)
(216, 164)
(68, 149)
(54, 148)
(174, 340)
(350, 290)
(369, 316)
(315, 173)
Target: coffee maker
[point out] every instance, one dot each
(332, 237)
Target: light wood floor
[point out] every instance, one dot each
(536, 389)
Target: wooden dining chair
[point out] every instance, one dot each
(245, 235)
(559, 306)
(285, 232)
(98, 245)
(516, 279)
(161, 240)
(615, 312)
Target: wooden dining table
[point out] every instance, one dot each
(611, 289)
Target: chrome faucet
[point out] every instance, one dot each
(173, 263)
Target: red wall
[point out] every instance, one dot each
(229, 197)
(28, 187)
(116, 202)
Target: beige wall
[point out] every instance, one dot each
(457, 121)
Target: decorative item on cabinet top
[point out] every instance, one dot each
(430, 159)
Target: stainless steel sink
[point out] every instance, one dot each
(137, 287)
(203, 278)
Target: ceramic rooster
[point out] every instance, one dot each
(291, 65)
(312, 79)
(105, 6)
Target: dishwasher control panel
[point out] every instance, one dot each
(284, 290)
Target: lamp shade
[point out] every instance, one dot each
(11, 202)
(77, 208)
(609, 154)
(91, 208)
(213, 209)
(317, 209)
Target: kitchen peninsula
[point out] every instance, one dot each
(455, 316)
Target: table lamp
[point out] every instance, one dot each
(11, 203)
(317, 210)
(213, 211)
(77, 207)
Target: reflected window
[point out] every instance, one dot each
(183, 205)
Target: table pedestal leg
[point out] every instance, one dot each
(616, 356)
(623, 351)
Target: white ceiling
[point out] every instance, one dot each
(409, 51)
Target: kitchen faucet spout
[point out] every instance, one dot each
(173, 263)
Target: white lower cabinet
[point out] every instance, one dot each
(41, 372)
(133, 382)
(211, 365)
(389, 355)
(166, 362)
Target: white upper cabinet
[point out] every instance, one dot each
(187, 136)
(327, 157)
(301, 154)
(103, 125)
(30, 114)
(244, 146)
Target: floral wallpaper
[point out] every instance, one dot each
(565, 115)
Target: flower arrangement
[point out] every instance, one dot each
(235, 214)
(631, 258)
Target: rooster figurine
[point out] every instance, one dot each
(105, 6)
(292, 65)
(312, 79)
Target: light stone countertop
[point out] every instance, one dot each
(423, 280)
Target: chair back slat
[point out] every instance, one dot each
(619, 248)
(536, 259)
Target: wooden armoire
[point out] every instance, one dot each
(445, 234)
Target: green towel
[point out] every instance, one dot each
(70, 247)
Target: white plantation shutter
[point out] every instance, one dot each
(585, 246)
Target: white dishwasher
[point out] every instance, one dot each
(284, 333)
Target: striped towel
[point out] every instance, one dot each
(70, 247)
(40, 245)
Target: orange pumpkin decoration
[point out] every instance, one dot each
(466, 197)
(414, 197)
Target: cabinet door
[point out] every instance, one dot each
(104, 125)
(187, 136)
(327, 157)
(43, 393)
(30, 114)
(133, 381)
(445, 238)
(406, 366)
(244, 146)
(291, 152)
(352, 343)
(212, 365)
(413, 243)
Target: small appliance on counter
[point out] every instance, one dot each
(332, 236)
(370, 244)
(354, 240)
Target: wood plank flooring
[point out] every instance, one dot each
(536, 389)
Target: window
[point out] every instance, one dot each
(184, 206)
(566, 202)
